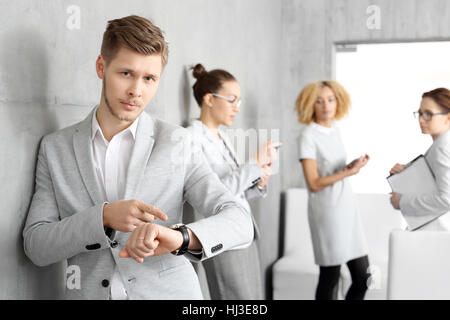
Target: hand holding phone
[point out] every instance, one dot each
(354, 162)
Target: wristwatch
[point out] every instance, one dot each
(184, 246)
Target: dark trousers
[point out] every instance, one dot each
(327, 288)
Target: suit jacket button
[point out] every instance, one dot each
(216, 248)
(105, 283)
(93, 246)
(114, 244)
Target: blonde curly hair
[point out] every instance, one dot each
(308, 97)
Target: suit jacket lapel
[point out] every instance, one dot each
(229, 147)
(143, 147)
(215, 143)
(82, 145)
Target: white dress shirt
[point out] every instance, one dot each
(111, 161)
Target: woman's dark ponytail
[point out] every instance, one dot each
(208, 82)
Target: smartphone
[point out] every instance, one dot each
(351, 164)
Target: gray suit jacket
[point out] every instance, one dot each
(240, 179)
(65, 216)
(438, 158)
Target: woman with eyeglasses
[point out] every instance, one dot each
(334, 221)
(235, 274)
(434, 119)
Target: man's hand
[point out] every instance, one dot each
(150, 239)
(127, 215)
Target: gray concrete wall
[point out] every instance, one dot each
(48, 81)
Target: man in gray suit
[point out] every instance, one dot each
(101, 183)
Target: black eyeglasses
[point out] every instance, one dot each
(427, 115)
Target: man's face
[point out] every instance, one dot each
(130, 81)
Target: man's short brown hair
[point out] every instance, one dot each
(135, 33)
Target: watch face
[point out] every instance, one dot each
(176, 226)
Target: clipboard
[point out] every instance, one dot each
(415, 178)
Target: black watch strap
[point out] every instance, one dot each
(184, 246)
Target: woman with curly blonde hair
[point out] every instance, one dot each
(334, 221)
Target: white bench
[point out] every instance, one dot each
(419, 265)
(295, 275)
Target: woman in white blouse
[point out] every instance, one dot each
(334, 221)
(234, 274)
(434, 119)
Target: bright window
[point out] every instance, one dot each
(386, 82)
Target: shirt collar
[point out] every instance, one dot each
(96, 127)
(323, 129)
